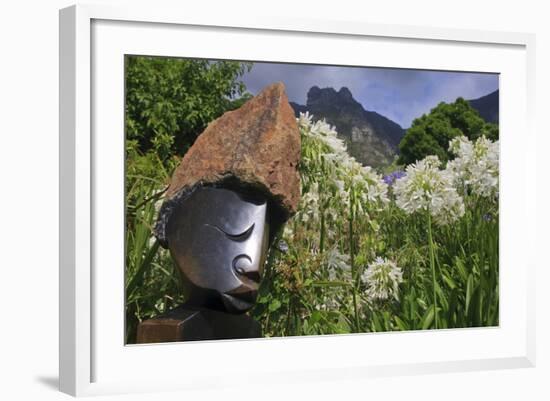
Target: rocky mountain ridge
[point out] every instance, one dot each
(371, 138)
(487, 106)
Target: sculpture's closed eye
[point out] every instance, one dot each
(235, 237)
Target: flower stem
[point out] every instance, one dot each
(322, 236)
(432, 264)
(352, 264)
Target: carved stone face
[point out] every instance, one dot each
(219, 239)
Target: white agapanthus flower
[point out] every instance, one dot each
(376, 188)
(426, 187)
(323, 131)
(337, 263)
(305, 119)
(382, 278)
(475, 167)
(309, 204)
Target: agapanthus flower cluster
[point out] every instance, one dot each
(337, 264)
(475, 167)
(382, 278)
(310, 204)
(325, 133)
(368, 184)
(428, 188)
(330, 174)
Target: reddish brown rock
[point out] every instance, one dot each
(258, 145)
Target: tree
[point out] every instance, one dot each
(431, 133)
(170, 101)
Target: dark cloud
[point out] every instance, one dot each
(398, 94)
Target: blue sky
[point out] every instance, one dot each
(399, 94)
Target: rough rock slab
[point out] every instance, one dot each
(257, 144)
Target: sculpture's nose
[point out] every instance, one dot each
(244, 266)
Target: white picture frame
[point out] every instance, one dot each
(93, 357)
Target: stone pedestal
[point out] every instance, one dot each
(193, 324)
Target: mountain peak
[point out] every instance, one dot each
(372, 138)
(315, 93)
(329, 96)
(345, 92)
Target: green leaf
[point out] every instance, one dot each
(452, 307)
(315, 317)
(469, 291)
(274, 305)
(428, 318)
(377, 323)
(449, 281)
(400, 323)
(263, 299)
(460, 268)
(330, 284)
(343, 325)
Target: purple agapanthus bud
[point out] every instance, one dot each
(394, 176)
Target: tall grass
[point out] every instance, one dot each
(151, 281)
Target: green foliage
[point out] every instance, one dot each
(170, 101)
(431, 133)
(151, 280)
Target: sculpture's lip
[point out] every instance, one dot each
(243, 293)
(235, 304)
(240, 299)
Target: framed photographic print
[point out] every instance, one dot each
(353, 198)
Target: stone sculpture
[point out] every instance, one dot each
(231, 193)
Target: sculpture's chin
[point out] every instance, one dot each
(238, 303)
